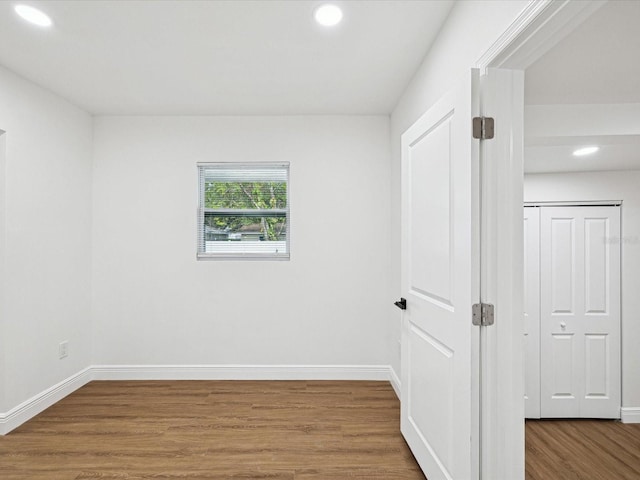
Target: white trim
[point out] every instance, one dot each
(630, 414)
(586, 203)
(394, 380)
(241, 372)
(502, 278)
(248, 165)
(539, 27)
(43, 400)
(507, 42)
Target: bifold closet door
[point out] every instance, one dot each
(532, 312)
(580, 312)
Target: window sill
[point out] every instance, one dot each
(242, 256)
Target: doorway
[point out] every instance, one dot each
(579, 147)
(581, 66)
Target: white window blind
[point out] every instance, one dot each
(243, 210)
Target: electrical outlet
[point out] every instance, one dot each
(63, 349)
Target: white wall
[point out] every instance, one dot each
(472, 27)
(153, 303)
(623, 186)
(46, 242)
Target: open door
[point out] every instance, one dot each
(440, 281)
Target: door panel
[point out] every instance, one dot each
(597, 365)
(439, 166)
(596, 274)
(562, 355)
(580, 312)
(430, 359)
(562, 249)
(429, 170)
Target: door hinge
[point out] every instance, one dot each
(483, 128)
(482, 314)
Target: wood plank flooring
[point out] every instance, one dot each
(295, 430)
(582, 450)
(271, 430)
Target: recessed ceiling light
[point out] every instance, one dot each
(581, 152)
(328, 15)
(33, 15)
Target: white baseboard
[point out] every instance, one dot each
(241, 372)
(394, 379)
(43, 400)
(30, 408)
(630, 414)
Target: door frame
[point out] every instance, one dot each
(540, 26)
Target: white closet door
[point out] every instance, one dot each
(580, 312)
(532, 312)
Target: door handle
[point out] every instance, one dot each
(401, 304)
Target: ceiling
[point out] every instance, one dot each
(222, 57)
(614, 154)
(596, 64)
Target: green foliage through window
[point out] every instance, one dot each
(247, 196)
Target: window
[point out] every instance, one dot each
(243, 210)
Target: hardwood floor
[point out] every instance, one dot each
(271, 430)
(293, 430)
(582, 449)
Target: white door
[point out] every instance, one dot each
(532, 312)
(440, 277)
(580, 312)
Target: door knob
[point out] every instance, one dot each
(402, 304)
(563, 325)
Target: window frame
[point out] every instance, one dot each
(202, 210)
